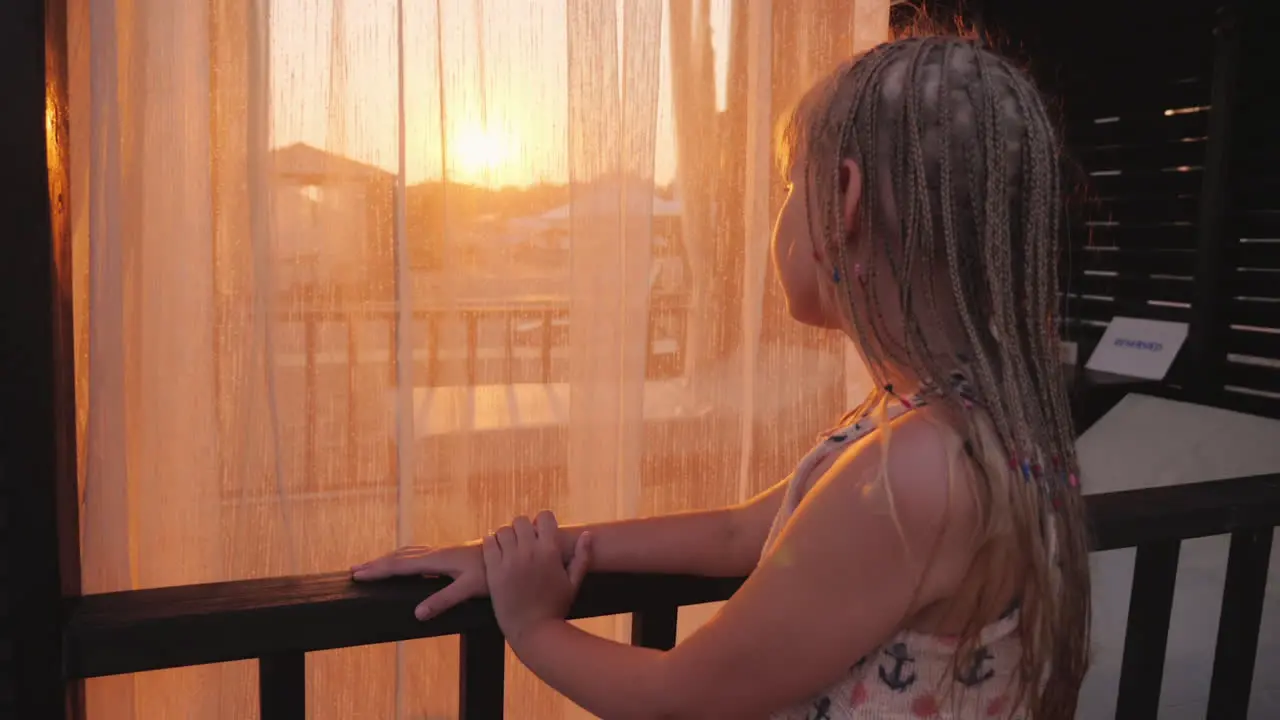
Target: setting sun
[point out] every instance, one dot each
(476, 153)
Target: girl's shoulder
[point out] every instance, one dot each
(909, 466)
(913, 448)
(914, 453)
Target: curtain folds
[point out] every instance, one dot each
(358, 273)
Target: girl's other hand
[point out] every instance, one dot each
(463, 563)
(527, 578)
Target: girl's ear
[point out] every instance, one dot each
(851, 193)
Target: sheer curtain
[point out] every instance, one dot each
(352, 274)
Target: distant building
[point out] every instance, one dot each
(332, 219)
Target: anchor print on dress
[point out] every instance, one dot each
(893, 678)
(976, 672)
(821, 709)
(858, 694)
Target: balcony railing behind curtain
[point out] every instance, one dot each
(469, 344)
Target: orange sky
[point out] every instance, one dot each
(505, 85)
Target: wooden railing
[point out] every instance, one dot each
(535, 326)
(278, 621)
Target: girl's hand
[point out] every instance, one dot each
(463, 563)
(528, 580)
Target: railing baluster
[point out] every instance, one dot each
(655, 627)
(1239, 624)
(510, 345)
(1155, 571)
(473, 341)
(391, 347)
(433, 350)
(482, 674)
(546, 347)
(650, 335)
(681, 324)
(353, 375)
(310, 342)
(282, 686)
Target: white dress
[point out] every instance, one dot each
(913, 675)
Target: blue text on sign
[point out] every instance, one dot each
(1139, 344)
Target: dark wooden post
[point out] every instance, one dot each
(1155, 571)
(482, 674)
(1240, 623)
(655, 627)
(282, 686)
(39, 549)
(1206, 339)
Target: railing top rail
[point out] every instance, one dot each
(308, 304)
(1183, 512)
(136, 631)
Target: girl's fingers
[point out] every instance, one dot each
(379, 569)
(545, 522)
(506, 537)
(452, 594)
(492, 553)
(525, 534)
(581, 560)
(414, 560)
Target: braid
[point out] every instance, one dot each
(1048, 203)
(986, 368)
(919, 221)
(994, 231)
(961, 199)
(1034, 220)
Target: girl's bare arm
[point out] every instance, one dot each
(717, 543)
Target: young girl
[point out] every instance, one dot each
(928, 558)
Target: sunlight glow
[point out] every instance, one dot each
(500, 78)
(476, 153)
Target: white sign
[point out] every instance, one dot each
(1138, 348)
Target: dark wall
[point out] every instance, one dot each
(1168, 113)
(1131, 88)
(1250, 336)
